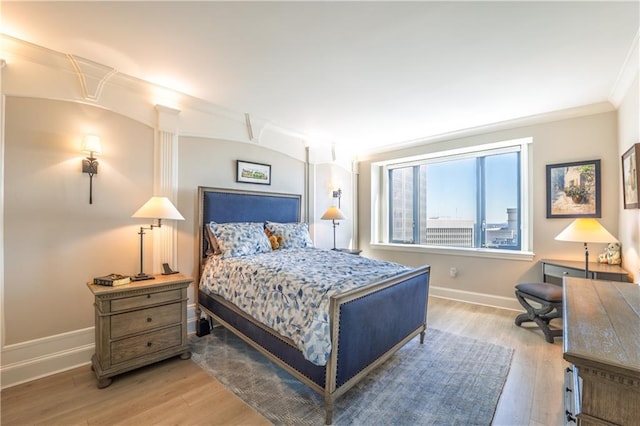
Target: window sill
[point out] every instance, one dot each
(451, 251)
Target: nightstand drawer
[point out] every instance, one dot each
(137, 346)
(145, 300)
(145, 319)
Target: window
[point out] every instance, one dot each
(464, 199)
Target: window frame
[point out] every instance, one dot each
(381, 217)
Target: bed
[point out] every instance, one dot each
(366, 324)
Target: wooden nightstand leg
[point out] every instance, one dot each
(103, 383)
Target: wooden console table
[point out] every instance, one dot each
(601, 326)
(554, 270)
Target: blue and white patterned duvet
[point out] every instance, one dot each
(289, 290)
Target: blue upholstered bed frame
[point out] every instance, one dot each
(367, 324)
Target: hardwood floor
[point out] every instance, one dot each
(177, 392)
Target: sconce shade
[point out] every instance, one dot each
(91, 145)
(158, 208)
(333, 213)
(586, 231)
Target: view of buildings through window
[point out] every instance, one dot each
(471, 201)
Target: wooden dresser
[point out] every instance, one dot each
(602, 343)
(139, 323)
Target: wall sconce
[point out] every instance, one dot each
(91, 144)
(156, 208)
(338, 194)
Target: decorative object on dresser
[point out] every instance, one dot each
(585, 231)
(91, 145)
(138, 324)
(630, 177)
(601, 342)
(112, 280)
(156, 208)
(573, 189)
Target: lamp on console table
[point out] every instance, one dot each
(156, 208)
(586, 231)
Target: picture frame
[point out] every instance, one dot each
(630, 177)
(248, 172)
(573, 190)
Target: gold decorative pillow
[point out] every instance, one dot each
(275, 240)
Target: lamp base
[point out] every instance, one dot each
(142, 277)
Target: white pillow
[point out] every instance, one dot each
(240, 238)
(294, 235)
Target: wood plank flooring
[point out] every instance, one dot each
(177, 392)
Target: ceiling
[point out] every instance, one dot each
(357, 74)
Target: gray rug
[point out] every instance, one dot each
(450, 380)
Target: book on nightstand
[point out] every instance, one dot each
(112, 280)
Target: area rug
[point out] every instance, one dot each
(450, 380)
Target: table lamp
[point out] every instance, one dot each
(156, 208)
(586, 231)
(333, 213)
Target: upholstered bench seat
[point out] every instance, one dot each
(549, 297)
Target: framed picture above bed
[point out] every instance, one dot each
(573, 189)
(630, 177)
(248, 172)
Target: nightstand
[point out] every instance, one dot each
(350, 251)
(138, 324)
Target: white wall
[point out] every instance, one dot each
(54, 241)
(491, 281)
(629, 219)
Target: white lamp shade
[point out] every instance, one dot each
(91, 144)
(333, 213)
(158, 208)
(586, 231)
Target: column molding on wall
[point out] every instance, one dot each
(165, 184)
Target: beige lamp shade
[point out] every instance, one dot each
(586, 231)
(158, 208)
(333, 213)
(91, 145)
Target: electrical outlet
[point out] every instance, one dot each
(453, 272)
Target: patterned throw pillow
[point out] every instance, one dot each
(294, 235)
(240, 238)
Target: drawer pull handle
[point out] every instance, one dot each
(149, 319)
(149, 344)
(148, 296)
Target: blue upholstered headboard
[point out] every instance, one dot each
(229, 205)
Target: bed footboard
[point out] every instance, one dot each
(369, 325)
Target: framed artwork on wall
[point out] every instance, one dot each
(248, 172)
(573, 189)
(630, 177)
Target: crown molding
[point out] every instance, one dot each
(628, 73)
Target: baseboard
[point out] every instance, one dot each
(476, 298)
(27, 361)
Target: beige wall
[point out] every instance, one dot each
(54, 240)
(629, 227)
(212, 162)
(584, 138)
